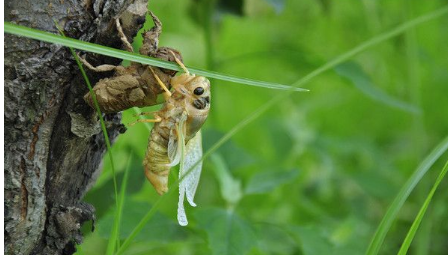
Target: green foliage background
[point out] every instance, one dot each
(316, 173)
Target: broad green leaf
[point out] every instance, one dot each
(229, 186)
(159, 228)
(274, 239)
(267, 181)
(227, 233)
(235, 156)
(362, 81)
(311, 240)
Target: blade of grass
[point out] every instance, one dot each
(341, 58)
(407, 241)
(111, 52)
(103, 125)
(399, 200)
(114, 240)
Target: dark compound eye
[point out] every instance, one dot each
(198, 91)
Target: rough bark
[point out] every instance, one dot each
(53, 140)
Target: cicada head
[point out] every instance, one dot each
(195, 91)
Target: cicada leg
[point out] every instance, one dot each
(123, 38)
(156, 119)
(145, 113)
(100, 68)
(179, 63)
(167, 93)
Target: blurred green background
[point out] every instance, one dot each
(316, 173)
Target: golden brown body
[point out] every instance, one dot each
(184, 108)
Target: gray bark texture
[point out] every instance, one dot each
(53, 140)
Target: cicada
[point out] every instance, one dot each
(176, 138)
(135, 85)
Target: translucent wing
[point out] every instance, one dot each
(174, 146)
(193, 155)
(189, 176)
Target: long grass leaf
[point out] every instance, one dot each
(331, 64)
(100, 115)
(103, 125)
(410, 236)
(114, 240)
(111, 52)
(363, 83)
(399, 200)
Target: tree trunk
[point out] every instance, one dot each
(53, 140)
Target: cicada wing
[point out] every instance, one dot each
(179, 155)
(189, 175)
(174, 146)
(193, 155)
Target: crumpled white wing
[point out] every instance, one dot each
(189, 177)
(174, 147)
(193, 155)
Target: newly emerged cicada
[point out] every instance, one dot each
(176, 137)
(135, 85)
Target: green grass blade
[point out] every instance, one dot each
(100, 115)
(103, 125)
(142, 223)
(341, 58)
(114, 240)
(410, 236)
(356, 75)
(374, 41)
(111, 52)
(399, 200)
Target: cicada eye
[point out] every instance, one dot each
(198, 91)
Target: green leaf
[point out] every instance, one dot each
(160, 228)
(312, 241)
(278, 5)
(410, 236)
(107, 51)
(267, 181)
(236, 157)
(114, 239)
(230, 187)
(227, 233)
(399, 200)
(362, 81)
(274, 239)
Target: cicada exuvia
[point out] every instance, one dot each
(135, 85)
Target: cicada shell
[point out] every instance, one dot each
(176, 138)
(135, 85)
